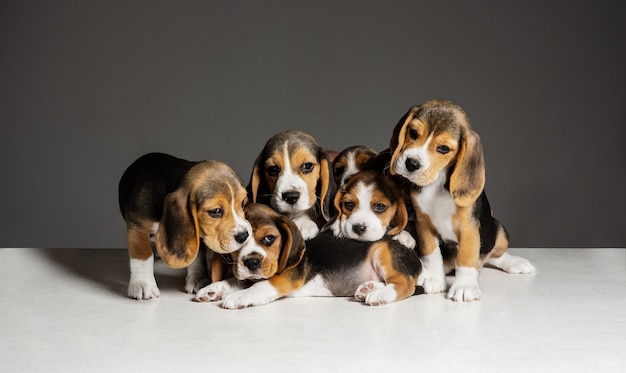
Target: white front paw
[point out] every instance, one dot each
(375, 293)
(307, 227)
(213, 292)
(432, 284)
(258, 294)
(143, 288)
(406, 239)
(465, 287)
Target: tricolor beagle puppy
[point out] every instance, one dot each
(350, 161)
(278, 264)
(370, 206)
(293, 175)
(434, 147)
(188, 206)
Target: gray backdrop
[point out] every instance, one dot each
(88, 86)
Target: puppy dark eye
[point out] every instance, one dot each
(380, 207)
(348, 206)
(443, 149)
(413, 133)
(339, 170)
(216, 213)
(268, 240)
(307, 167)
(273, 170)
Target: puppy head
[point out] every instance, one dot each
(208, 205)
(435, 140)
(350, 161)
(277, 245)
(291, 173)
(370, 205)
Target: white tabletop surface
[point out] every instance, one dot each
(66, 310)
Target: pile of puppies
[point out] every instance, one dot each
(379, 226)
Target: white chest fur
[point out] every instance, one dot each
(435, 201)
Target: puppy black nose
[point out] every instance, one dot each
(291, 197)
(359, 228)
(252, 263)
(241, 237)
(412, 164)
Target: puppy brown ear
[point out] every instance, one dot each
(399, 135)
(401, 219)
(256, 179)
(177, 239)
(293, 244)
(468, 176)
(326, 186)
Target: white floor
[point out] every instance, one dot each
(66, 310)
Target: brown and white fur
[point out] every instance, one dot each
(350, 161)
(279, 263)
(434, 147)
(187, 207)
(293, 175)
(370, 206)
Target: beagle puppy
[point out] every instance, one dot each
(293, 175)
(434, 147)
(370, 206)
(183, 207)
(350, 161)
(278, 263)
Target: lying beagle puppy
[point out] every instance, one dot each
(370, 206)
(188, 206)
(278, 264)
(293, 175)
(350, 161)
(434, 147)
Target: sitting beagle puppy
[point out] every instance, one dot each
(350, 161)
(370, 206)
(278, 264)
(293, 175)
(434, 147)
(188, 206)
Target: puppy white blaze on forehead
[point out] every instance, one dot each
(351, 168)
(362, 217)
(241, 224)
(290, 182)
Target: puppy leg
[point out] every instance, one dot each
(406, 239)
(197, 272)
(142, 284)
(499, 258)
(465, 286)
(217, 290)
(433, 276)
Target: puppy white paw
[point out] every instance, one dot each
(512, 264)
(433, 276)
(465, 287)
(143, 288)
(406, 239)
(307, 227)
(375, 293)
(258, 294)
(212, 292)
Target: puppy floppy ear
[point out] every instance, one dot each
(257, 180)
(293, 244)
(468, 176)
(401, 219)
(326, 186)
(178, 239)
(399, 134)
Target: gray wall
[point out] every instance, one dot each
(88, 86)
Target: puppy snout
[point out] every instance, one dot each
(242, 237)
(412, 164)
(359, 228)
(252, 263)
(291, 197)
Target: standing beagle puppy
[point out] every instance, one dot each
(188, 207)
(370, 206)
(434, 147)
(350, 161)
(293, 175)
(279, 263)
